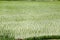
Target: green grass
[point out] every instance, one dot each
(48, 37)
(30, 19)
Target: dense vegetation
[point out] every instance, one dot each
(6, 35)
(50, 37)
(29, 19)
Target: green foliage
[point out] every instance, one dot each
(6, 35)
(44, 37)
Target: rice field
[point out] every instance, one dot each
(29, 19)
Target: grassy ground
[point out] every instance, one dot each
(30, 19)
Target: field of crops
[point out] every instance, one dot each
(30, 19)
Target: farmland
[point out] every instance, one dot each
(30, 19)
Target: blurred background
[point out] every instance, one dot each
(29, 0)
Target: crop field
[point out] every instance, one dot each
(29, 19)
